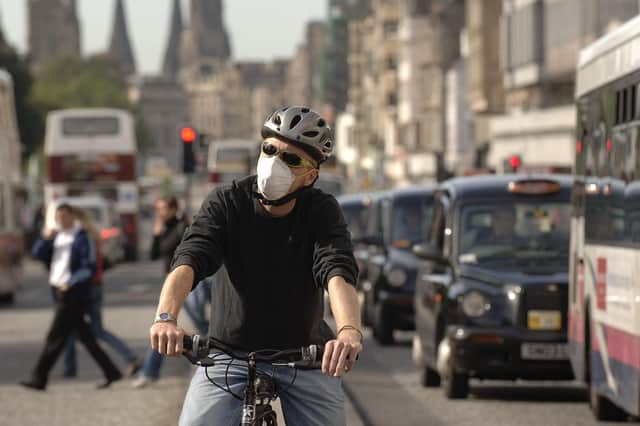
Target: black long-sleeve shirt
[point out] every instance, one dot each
(164, 245)
(277, 268)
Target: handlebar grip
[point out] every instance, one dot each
(187, 342)
(319, 353)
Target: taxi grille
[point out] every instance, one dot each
(544, 297)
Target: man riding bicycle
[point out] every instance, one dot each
(283, 243)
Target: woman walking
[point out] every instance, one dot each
(95, 311)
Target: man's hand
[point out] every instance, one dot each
(49, 233)
(166, 338)
(64, 287)
(340, 355)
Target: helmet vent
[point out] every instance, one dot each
(328, 144)
(305, 110)
(277, 120)
(295, 121)
(310, 134)
(321, 123)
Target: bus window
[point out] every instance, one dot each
(90, 126)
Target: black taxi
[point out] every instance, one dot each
(399, 219)
(491, 295)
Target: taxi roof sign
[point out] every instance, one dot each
(534, 187)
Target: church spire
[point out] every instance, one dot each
(171, 63)
(120, 47)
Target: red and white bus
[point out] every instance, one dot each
(92, 151)
(11, 202)
(604, 293)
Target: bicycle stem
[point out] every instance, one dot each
(249, 404)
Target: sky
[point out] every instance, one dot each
(258, 29)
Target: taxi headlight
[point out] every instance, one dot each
(397, 277)
(475, 304)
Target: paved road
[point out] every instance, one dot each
(132, 291)
(131, 296)
(387, 374)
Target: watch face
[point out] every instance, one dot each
(165, 316)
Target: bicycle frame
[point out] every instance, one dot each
(260, 389)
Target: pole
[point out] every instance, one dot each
(187, 196)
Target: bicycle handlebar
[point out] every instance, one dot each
(304, 357)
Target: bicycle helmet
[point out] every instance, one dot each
(302, 127)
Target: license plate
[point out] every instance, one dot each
(544, 320)
(544, 351)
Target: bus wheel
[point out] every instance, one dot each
(602, 408)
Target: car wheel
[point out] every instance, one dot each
(603, 409)
(382, 327)
(456, 385)
(429, 378)
(7, 299)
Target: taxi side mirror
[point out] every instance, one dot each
(429, 252)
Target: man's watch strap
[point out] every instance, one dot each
(165, 317)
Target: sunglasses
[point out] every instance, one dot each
(292, 160)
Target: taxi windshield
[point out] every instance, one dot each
(523, 229)
(410, 221)
(356, 216)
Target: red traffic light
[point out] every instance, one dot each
(188, 135)
(515, 162)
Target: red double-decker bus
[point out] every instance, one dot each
(92, 151)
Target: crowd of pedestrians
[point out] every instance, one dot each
(72, 254)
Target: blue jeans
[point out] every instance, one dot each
(152, 364)
(196, 303)
(95, 316)
(313, 399)
(195, 306)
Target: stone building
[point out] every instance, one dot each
(304, 74)
(541, 43)
(205, 44)
(334, 78)
(120, 50)
(54, 30)
(171, 60)
(163, 109)
(371, 115)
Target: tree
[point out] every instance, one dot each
(96, 81)
(73, 82)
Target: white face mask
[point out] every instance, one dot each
(274, 177)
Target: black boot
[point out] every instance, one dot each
(117, 375)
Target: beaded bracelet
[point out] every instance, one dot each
(350, 327)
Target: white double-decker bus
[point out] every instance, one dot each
(92, 151)
(604, 298)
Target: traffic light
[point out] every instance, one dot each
(512, 164)
(188, 135)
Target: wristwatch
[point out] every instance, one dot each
(165, 317)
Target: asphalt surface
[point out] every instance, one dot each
(385, 389)
(131, 296)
